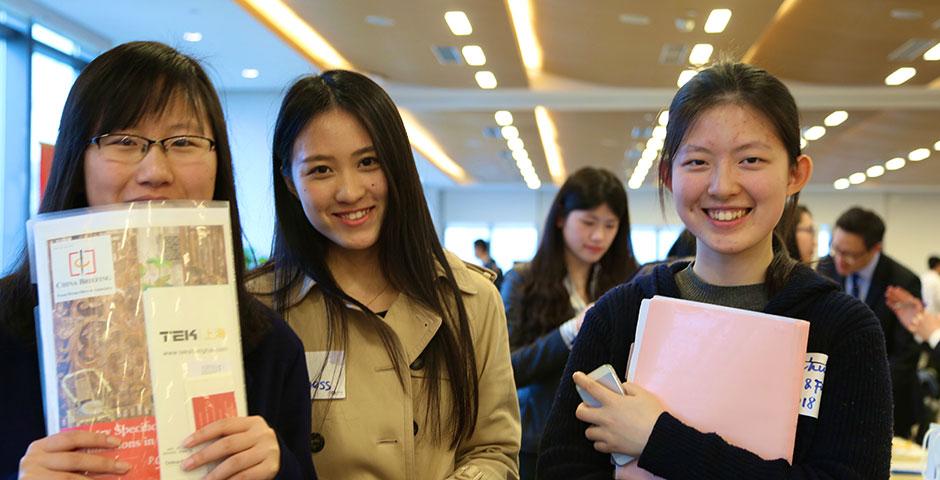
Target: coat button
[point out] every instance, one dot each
(418, 364)
(316, 442)
(416, 427)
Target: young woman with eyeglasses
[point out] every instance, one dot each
(143, 122)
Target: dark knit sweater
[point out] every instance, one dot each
(850, 439)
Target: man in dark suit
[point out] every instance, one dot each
(857, 262)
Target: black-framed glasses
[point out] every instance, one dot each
(128, 148)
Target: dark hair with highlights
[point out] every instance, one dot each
(541, 297)
(409, 250)
(117, 90)
(739, 84)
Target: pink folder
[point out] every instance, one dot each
(724, 370)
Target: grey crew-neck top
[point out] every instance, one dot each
(748, 297)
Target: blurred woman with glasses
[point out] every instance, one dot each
(143, 122)
(801, 242)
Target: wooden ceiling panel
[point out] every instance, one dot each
(486, 159)
(601, 139)
(846, 42)
(402, 52)
(587, 41)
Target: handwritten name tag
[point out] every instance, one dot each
(327, 374)
(814, 376)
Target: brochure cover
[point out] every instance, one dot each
(138, 327)
(734, 372)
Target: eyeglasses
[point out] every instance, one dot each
(131, 149)
(848, 257)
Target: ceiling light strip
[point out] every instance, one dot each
(423, 142)
(549, 137)
(520, 12)
(295, 31)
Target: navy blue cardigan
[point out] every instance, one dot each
(851, 439)
(275, 381)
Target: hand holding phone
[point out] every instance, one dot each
(606, 376)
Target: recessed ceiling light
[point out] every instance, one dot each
(836, 118)
(520, 155)
(659, 132)
(685, 76)
(814, 133)
(856, 178)
(503, 118)
(895, 163)
(841, 184)
(717, 20)
(654, 143)
(509, 131)
(250, 73)
(875, 171)
(936, 146)
(803, 142)
(515, 144)
(634, 19)
(192, 36)
(701, 53)
(474, 55)
(918, 155)
(458, 22)
(933, 54)
(663, 118)
(900, 76)
(379, 21)
(649, 154)
(535, 184)
(485, 79)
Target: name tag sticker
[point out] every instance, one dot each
(327, 373)
(814, 375)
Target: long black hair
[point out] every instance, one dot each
(117, 90)
(742, 84)
(409, 251)
(543, 301)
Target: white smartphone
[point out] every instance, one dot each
(606, 376)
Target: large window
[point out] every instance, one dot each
(53, 73)
(652, 242)
(509, 242)
(37, 69)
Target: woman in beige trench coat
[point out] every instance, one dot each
(406, 345)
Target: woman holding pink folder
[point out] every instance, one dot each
(733, 164)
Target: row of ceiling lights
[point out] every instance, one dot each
(511, 134)
(522, 21)
(878, 170)
(699, 55)
(459, 25)
(904, 74)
